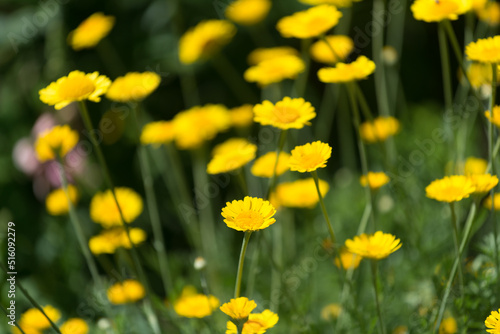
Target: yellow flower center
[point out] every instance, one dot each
(249, 219)
(75, 88)
(311, 160)
(286, 114)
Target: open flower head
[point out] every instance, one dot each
(57, 141)
(374, 180)
(309, 157)
(264, 165)
(285, 114)
(35, 319)
(483, 182)
(91, 31)
(77, 86)
(261, 54)
(128, 291)
(74, 326)
(337, 49)
(275, 70)
(133, 87)
(204, 40)
(109, 240)
(347, 259)
(300, 193)
(495, 117)
(435, 11)
(248, 12)
(450, 188)
(375, 246)
(448, 326)
(379, 129)
(485, 50)
(492, 322)
(238, 308)
(195, 305)
(359, 69)
(241, 116)
(57, 202)
(249, 214)
(232, 154)
(257, 323)
(309, 23)
(103, 208)
(158, 133)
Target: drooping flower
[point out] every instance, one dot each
(241, 116)
(337, 49)
(347, 259)
(238, 308)
(133, 87)
(435, 11)
(495, 117)
(232, 154)
(275, 70)
(57, 202)
(264, 165)
(485, 50)
(448, 326)
(204, 40)
(331, 311)
(309, 157)
(496, 202)
(249, 214)
(450, 188)
(261, 54)
(285, 114)
(195, 305)
(248, 12)
(158, 133)
(91, 31)
(483, 183)
(256, 323)
(300, 193)
(103, 208)
(374, 180)
(126, 292)
(35, 319)
(109, 240)
(74, 326)
(379, 129)
(359, 69)
(309, 23)
(57, 141)
(492, 322)
(475, 166)
(375, 246)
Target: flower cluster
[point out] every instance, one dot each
(239, 309)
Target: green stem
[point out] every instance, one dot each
(279, 149)
(323, 207)
(377, 45)
(240, 173)
(327, 112)
(189, 90)
(301, 81)
(445, 67)
(374, 265)
(277, 254)
(456, 234)
(237, 288)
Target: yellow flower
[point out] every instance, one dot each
(448, 326)
(241, 116)
(348, 259)
(248, 12)
(336, 3)
(285, 114)
(375, 246)
(492, 322)
(359, 69)
(264, 165)
(479, 74)
(58, 140)
(401, 330)
(374, 180)
(128, 291)
(435, 11)
(496, 202)
(74, 326)
(26, 329)
(57, 202)
(330, 312)
(341, 45)
(232, 154)
(199, 124)
(109, 240)
(485, 50)
(275, 70)
(261, 54)
(379, 130)
(90, 32)
(134, 86)
(257, 323)
(300, 193)
(204, 40)
(249, 214)
(483, 182)
(495, 118)
(309, 157)
(475, 166)
(103, 208)
(194, 305)
(309, 23)
(35, 319)
(158, 133)
(490, 13)
(450, 188)
(238, 308)
(77, 86)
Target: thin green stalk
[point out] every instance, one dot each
(15, 322)
(277, 254)
(495, 152)
(365, 107)
(237, 288)
(254, 266)
(323, 207)
(327, 112)
(240, 174)
(234, 79)
(445, 68)
(273, 180)
(456, 235)
(377, 45)
(374, 265)
(189, 90)
(492, 163)
(301, 81)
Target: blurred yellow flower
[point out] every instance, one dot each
(300, 193)
(492, 322)
(435, 11)
(247, 12)
(309, 157)
(496, 202)
(359, 69)
(133, 87)
(374, 180)
(57, 202)
(309, 23)
(475, 166)
(261, 54)
(348, 259)
(90, 32)
(257, 323)
(195, 305)
(26, 329)
(485, 50)
(35, 319)
(275, 70)
(103, 208)
(109, 240)
(495, 118)
(239, 308)
(450, 188)
(483, 182)
(330, 312)
(128, 291)
(74, 326)
(448, 326)
(204, 40)
(479, 74)
(336, 3)
(158, 133)
(264, 165)
(241, 116)
(249, 214)
(401, 330)
(374, 246)
(379, 129)
(57, 141)
(77, 86)
(340, 47)
(490, 13)
(285, 114)
(232, 154)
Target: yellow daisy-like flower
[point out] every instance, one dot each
(359, 69)
(450, 188)
(248, 12)
(435, 11)
(35, 319)
(495, 118)
(204, 40)
(448, 326)
(109, 240)
(275, 70)
(375, 246)
(309, 157)
(58, 140)
(238, 308)
(133, 87)
(492, 322)
(57, 202)
(496, 202)
(285, 114)
(257, 323)
(374, 180)
(475, 166)
(337, 49)
(330, 312)
(485, 50)
(199, 124)
(195, 305)
(249, 214)
(379, 129)
(483, 182)
(264, 165)
(158, 133)
(309, 23)
(128, 291)
(103, 208)
(300, 193)
(261, 54)
(241, 116)
(348, 259)
(234, 153)
(490, 13)
(91, 31)
(77, 86)
(74, 326)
